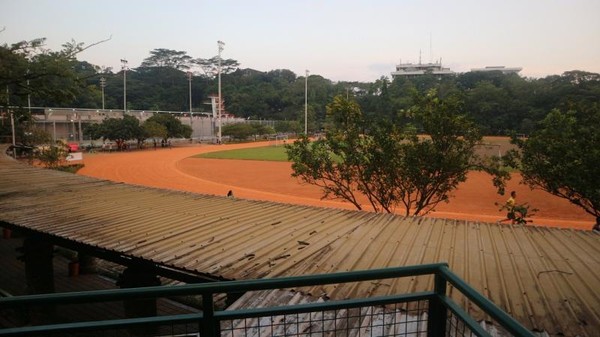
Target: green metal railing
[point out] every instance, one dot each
(334, 317)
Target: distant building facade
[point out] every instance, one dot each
(419, 69)
(502, 69)
(408, 70)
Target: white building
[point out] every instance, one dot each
(412, 70)
(503, 69)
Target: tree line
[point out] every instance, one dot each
(498, 103)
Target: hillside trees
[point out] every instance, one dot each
(499, 103)
(31, 73)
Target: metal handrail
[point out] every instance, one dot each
(209, 319)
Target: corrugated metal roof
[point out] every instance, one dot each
(547, 278)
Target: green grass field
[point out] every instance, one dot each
(268, 153)
(489, 146)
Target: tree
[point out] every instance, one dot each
(153, 129)
(121, 130)
(173, 126)
(211, 66)
(167, 58)
(391, 164)
(242, 131)
(239, 131)
(562, 156)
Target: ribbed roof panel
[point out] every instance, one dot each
(547, 278)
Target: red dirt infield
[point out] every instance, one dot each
(272, 181)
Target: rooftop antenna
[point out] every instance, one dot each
(419, 56)
(430, 49)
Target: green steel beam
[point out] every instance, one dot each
(505, 320)
(221, 287)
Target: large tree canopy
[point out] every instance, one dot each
(119, 130)
(562, 156)
(172, 125)
(390, 164)
(31, 73)
(167, 58)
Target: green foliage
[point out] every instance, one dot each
(288, 127)
(562, 156)
(168, 58)
(498, 103)
(120, 130)
(242, 131)
(518, 213)
(173, 126)
(52, 156)
(389, 163)
(238, 131)
(28, 69)
(153, 129)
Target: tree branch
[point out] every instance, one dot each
(90, 46)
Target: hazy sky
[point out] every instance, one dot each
(341, 40)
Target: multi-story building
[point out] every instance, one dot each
(419, 69)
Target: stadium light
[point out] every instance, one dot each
(306, 104)
(124, 67)
(220, 44)
(102, 85)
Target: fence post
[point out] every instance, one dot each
(437, 313)
(209, 326)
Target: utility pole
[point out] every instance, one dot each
(12, 123)
(306, 104)
(220, 106)
(102, 85)
(124, 67)
(189, 74)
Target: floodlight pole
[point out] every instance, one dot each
(220, 44)
(189, 74)
(124, 67)
(306, 104)
(102, 85)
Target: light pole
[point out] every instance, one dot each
(102, 85)
(12, 123)
(306, 104)
(53, 126)
(12, 128)
(220, 44)
(124, 67)
(189, 74)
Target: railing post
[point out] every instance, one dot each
(437, 313)
(209, 326)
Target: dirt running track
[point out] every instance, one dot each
(261, 180)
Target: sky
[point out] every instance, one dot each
(341, 40)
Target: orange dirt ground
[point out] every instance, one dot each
(272, 181)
